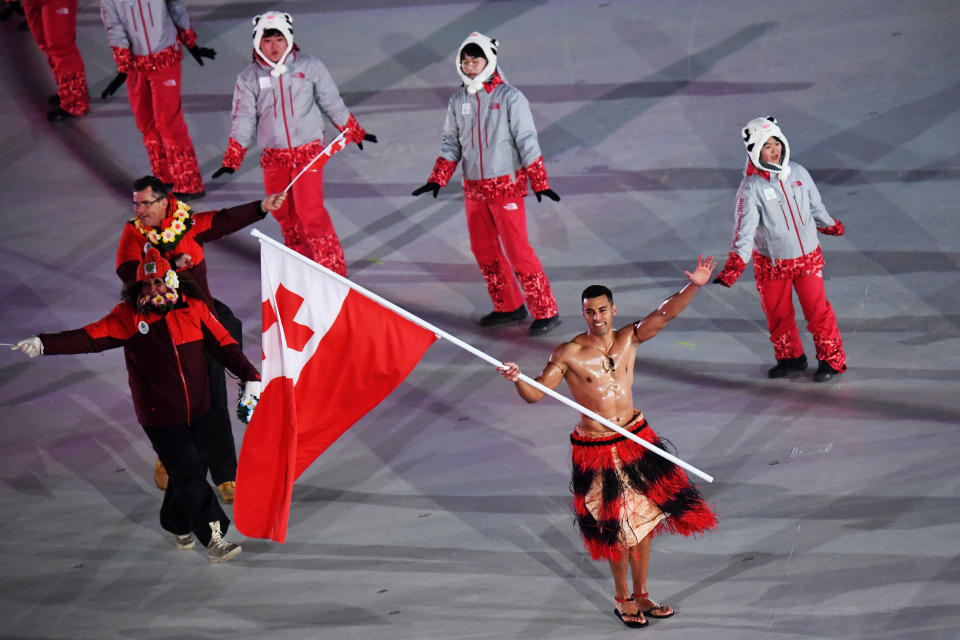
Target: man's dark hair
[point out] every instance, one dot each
(153, 182)
(473, 50)
(595, 291)
(270, 33)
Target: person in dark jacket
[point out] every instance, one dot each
(179, 233)
(164, 328)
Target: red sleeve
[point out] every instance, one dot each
(356, 131)
(109, 332)
(832, 230)
(442, 170)
(187, 36)
(538, 175)
(123, 58)
(216, 224)
(233, 157)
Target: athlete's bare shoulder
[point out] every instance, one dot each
(569, 353)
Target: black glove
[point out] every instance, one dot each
(549, 193)
(114, 85)
(430, 186)
(9, 9)
(369, 137)
(199, 53)
(219, 172)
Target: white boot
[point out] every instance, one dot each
(219, 549)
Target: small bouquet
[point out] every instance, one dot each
(249, 397)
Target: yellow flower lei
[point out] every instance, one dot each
(168, 237)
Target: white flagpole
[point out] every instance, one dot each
(483, 356)
(326, 150)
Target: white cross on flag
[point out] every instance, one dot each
(330, 354)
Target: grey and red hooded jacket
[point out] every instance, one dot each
(492, 133)
(145, 35)
(207, 226)
(166, 368)
(776, 223)
(286, 113)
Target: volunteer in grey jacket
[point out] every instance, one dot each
(145, 36)
(490, 129)
(281, 99)
(778, 214)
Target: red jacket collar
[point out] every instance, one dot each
(492, 83)
(752, 170)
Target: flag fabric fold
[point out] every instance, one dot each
(330, 355)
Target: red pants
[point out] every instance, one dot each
(156, 104)
(498, 239)
(303, 219)
(53, 24)
(776, 298)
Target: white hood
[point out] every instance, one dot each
(489, 46)
(283, 23)
(755, 134)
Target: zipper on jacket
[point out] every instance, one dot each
(283, 111)
(796, 229)
(183, 381)
(479, 135)
(143, 21)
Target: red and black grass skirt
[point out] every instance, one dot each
(637, 469)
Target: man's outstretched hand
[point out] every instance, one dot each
(701, 275)
(510, 371)
(273, 201)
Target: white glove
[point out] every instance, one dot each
(32, 347)
(248, 400)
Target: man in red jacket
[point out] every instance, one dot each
(179, 234)
(164, 328)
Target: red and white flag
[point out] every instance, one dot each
(330, 354)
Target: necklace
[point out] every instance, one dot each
(608, 364)
(169, 236)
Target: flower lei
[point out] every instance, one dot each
(159, 303)
(168, 237)
(245, 406)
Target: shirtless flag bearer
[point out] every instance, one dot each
(623, 494)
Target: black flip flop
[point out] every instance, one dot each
(633, 624)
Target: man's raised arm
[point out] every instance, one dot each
(671, 307)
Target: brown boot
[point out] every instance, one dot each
(227, 489)
(160, 476)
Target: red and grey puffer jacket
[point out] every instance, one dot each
(166, 368)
